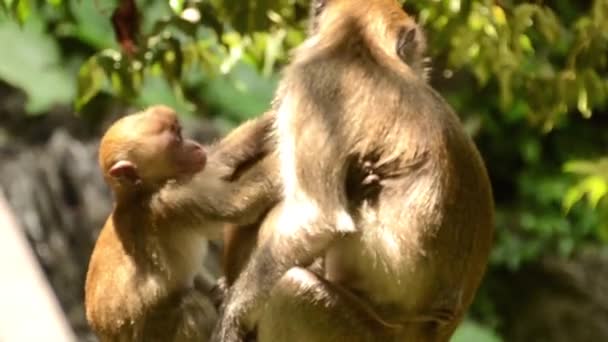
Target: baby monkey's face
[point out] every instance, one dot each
(148, 148)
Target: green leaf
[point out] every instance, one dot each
(249, 15)
(93, 25)
(91, 80)
(597, 189)
(594, 187)
(470, 331)
(273, 50)
(23, 10)
(573, 196)
(583, 103)
(531, 150)
(177, 5)
(156, 90)
(586, 167)
(525, 44)
(30, 61)
(499, 15)
(595, 88)
(243, 93)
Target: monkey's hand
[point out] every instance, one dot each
(219, 291)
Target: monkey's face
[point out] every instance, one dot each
(148, 148)
(162, 152)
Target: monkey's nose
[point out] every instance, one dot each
(201, 155)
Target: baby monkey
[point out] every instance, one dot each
(145, 279)
(140, 282)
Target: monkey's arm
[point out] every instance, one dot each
(306, 307)
(244, 301)
(245, 145)
(239, 182)
(313, 215)
(242, 200)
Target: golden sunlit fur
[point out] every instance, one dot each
(415, 246)
(141, 280)
(142, 270)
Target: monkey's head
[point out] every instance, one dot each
(382, 23)
(142, 151)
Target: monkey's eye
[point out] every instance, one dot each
(176, 131)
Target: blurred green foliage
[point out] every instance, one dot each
(529, 79)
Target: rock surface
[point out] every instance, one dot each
(557, 300)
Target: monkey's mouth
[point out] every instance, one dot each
(196, 161)
(199, 161)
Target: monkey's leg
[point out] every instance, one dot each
(270, 261)
(305, 307)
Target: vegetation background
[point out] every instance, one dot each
(529, 80)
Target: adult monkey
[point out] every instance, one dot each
(416, 249)
(239, 241)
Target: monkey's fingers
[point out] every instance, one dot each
(219, 291)
(371, 186)
(371, 179)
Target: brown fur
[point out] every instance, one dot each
(417, 246)
(140, 280)
(140, 283)
(239, 243)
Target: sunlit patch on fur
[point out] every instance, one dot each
(300, 276)
(151, 289)
(392, 255)
(297, 215)
(344, 222)
(390, 244)
(286, 147)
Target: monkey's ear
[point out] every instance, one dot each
(124, 170)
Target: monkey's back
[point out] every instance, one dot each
(433, 214)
